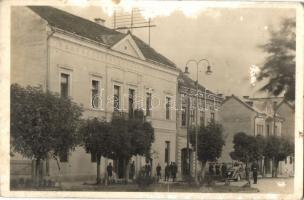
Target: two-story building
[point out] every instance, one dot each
(257, 116)
(208, 107)
(83, 59)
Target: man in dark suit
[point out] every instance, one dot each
(254, 169)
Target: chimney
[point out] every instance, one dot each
(246, 97)
(100, 21)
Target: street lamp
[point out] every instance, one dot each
(208, 72)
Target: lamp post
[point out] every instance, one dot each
(208, 72)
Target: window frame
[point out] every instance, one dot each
(134, 99)
(212, 116)
(170, 105)
(148, 108)
(268, 132)
(93, 78)
(68, 71)
(202, 116)
(192, 116)
(119, 97)
(184, 113)
(260, 129)
(167, 151)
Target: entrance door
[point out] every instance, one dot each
(185, 161)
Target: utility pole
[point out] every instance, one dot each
(196, 114)
(188, 133)
(275, 134)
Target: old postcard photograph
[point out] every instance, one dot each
(151, 99)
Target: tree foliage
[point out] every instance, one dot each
(130, 137)
(278, 148)
(247, 148)
(134, 134)
(210, 141)
(42, 123)
(279, 66)
(119, 139)
(95, 138)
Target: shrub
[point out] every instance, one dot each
(143, 180)
(208, 180)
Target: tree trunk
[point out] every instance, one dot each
(203, 171)
(98, 179)
(126, 166)
(273, 167)
(38, 177)
(276, 168)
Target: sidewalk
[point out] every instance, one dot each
(274, 185)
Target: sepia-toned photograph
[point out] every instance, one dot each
(155, 96)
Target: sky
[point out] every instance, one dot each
(227, 37)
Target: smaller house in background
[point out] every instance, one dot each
(257, 116)
(208, 103)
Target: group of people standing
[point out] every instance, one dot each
(218, 169)
(110, 171)
(170, 171)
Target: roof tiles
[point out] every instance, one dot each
(93, 31)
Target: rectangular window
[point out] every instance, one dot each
(268, 130)
(275, 130)
(212, 117)
(95, 96)
(260, 128)
(202, 118)
(168, 105)
(167, 152)
(184, 117)
(116, 98)
(192, 116)
(63, 157)
(148, 104)
(64, 85)
(131, 102)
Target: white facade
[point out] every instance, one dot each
(83, 61)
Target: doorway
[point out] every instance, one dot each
(185, 161)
